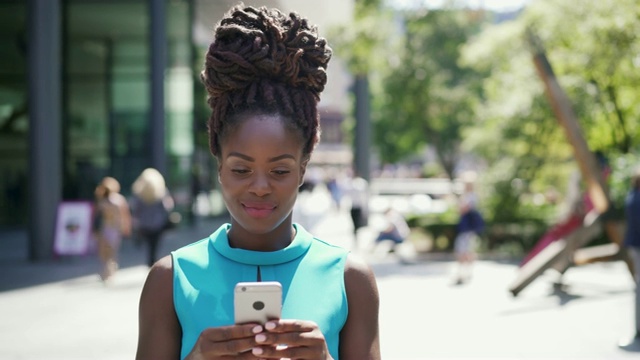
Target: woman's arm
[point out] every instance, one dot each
(159, 333)
(359, 338)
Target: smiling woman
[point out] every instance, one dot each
(261, 167)
(264, 73)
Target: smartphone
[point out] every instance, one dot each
(257, 302)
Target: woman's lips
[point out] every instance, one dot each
(258, 210)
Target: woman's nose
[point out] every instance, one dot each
(260, 185)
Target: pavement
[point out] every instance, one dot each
(59, 309)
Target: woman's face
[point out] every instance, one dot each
(260, 169)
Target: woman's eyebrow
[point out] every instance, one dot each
(249, 158)
(242, 156)
(282, 157)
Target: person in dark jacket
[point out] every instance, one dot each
(150, 207)
(632, 244)
(469, 228)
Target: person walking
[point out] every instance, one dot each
(632, 244)
(151, 206)
(264, 73)
(358, 192)
(395, 230)
(469, 228)
(111, 222)
(335, 187)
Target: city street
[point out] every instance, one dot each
(60, 310)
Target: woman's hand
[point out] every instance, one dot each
(291, 339)
(227, 342)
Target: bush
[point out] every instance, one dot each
(511, 237)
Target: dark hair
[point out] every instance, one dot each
(263, 62)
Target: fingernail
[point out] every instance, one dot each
(270, 325)
(256, 351)
(257, 329)
(261, 338)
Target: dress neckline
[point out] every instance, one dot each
(300, 244)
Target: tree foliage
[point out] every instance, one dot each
(596, 46)
(426, 96)
(446, 79)
(361, 43)
(595, 52)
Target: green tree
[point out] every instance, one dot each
(595, 47)
(426, 96)
(360, 44)
(594, 50)
(515, 131)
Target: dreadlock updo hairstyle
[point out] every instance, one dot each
(263, 62)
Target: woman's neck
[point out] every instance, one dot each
(274, 240)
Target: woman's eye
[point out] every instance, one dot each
(240, 171)
(281, 172)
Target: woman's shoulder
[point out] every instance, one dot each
(199, 251)
(357, 268)
(198, 247)
(160, 277)
(328, 251)
(163, 266)
(361, 290)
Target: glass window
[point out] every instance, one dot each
(106, 82)
(14, 122)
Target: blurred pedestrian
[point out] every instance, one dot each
(151, 207)
(632, 244)
(468, 231)
(396, 229)
(111, 222)
(358, 192)
(334, 185)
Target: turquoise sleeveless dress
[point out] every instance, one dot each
(310, 270)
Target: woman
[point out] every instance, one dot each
(112, 221)
(264, 73)
(151, 205)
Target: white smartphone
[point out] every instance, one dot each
(257, 302)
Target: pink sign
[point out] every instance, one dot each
(73, 228)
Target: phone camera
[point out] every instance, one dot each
(258, 305)
(244, 289)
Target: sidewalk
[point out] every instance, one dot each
(18, 272)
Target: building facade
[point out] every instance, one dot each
(90, 88)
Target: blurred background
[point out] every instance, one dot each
(421, 95)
